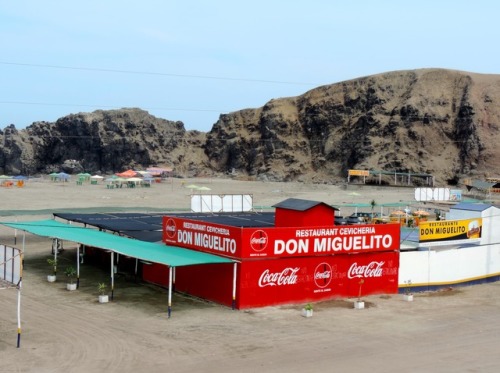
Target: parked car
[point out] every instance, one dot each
(356, 220)
(340, 220)
(362, 217)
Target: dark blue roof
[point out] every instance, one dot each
(148, 227)
(468, 206)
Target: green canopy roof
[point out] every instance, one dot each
(151, 252)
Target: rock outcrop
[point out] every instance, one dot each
(102, 141)
(436, 121)
(432, 121)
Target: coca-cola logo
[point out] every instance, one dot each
(374, 269)
(170, 228)
(288, 276)
(258, 240)
(323, 275)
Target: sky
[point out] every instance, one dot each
(192, 61)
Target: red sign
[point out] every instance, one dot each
(242, 243)
(273, 282)
(293, 280)
(202, 236)
(317, 241)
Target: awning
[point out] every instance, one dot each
(156, 253)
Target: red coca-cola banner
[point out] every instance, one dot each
(294, 280)
(243, 243)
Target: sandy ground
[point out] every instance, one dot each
(62, 331)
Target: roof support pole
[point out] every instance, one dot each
(233, 304)
(112, 275)
(19, 287)
(78, 266)
(169, 291)
(55, 244)
(173, 278)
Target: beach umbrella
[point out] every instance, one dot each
(144, 174)
(128, 173)
(398, 213)
(62, 176)
(421, 213)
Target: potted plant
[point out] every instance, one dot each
(53, 264)
(307, 311)
(103, 297)
(358, 303)
(71, 273)
(408, 295)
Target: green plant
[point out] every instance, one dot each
(308, 307)
(101, 287)
(53, 263)
(71, 273)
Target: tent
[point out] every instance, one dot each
(62, 176)
(170, 256)
(83, 176)
(128, 173)
(158, 171)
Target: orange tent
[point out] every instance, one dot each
(126, 174)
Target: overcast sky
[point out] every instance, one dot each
(194, 60)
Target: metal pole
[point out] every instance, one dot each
(78, 266)
(169, 291)
(19, 287)
(233, 305)
(55, 244)
(112, 275)
(173, 278)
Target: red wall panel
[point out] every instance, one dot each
(314, 217)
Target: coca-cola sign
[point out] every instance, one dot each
(170, 228)
(373, 269)
(259, 240)
(323, 275)
(288, 276)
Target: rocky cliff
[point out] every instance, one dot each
(435, 121)
(425, 121)
(102, 141)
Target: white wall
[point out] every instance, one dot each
(221, 203)
(449, 266)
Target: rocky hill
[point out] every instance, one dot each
(435, 121)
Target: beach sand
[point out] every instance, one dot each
(62, 331)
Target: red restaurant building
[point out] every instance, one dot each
(293, 255)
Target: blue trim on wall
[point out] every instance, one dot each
(418, 289)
